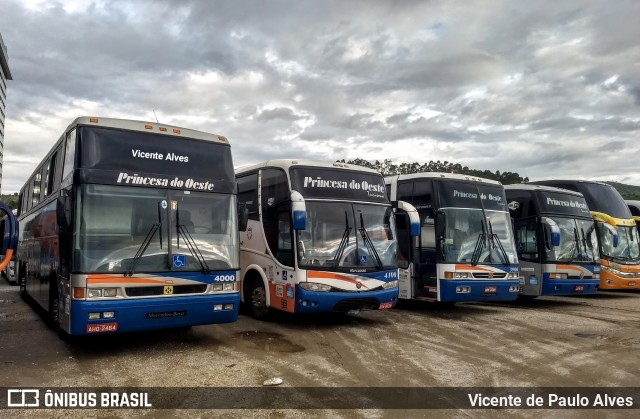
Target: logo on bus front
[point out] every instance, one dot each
(168, 289)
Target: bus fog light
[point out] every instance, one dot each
(463, 290)
(514, 288)
(217, 287)
(94, 293)
(228, 307)
(610, 281)
(108, 314)
(94, 316)
(229, 287)
(110, 292)
(390, 284)
(217, 307)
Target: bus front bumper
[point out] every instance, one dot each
(455, 290)
(569, 287)
(132, 315)
(340, 302)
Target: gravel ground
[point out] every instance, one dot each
(589, 341)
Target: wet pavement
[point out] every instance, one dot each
(591, 341)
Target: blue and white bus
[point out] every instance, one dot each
(321, 237)
(556, 240)
(128, 226)
(465, 250)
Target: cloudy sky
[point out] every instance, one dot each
(548, 89)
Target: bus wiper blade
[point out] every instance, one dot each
(344, 242)
(191, 244)
(475, 257)
(369, 243)
(143, 248)
(495, 239)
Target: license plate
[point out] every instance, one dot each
(102, 327)
(490, 289)
(632, 284)
(579, 288)
(384, 306)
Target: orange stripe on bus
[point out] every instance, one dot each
(332, 275)
(127, 280)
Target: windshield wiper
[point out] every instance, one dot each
(191, 244)
(480, 243)
(369, 243)
(575, 245)
(495, 239)
(344, 242)
(145, 244)
(586, 247)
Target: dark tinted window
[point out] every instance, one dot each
(248, 193)
(558, 203)
(339, 184)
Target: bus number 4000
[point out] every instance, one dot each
(224, 278)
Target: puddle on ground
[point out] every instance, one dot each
(591, 336)
(266, 341)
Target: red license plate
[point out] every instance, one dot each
(102, 327)
(384, 306)
(491, 289)
(579, 288)
(632, 283)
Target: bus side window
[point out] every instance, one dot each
(526, 243)
(248, 194)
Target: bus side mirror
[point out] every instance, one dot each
(63, 210)
(8, 235)
(555, 231)
(298, 211)
(440, 224)
(414, 217)
(612, 230)
(243, 217)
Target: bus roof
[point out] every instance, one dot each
(561, 181)
(144, 126)
(541, 188)
(438, 175)
(286, 164)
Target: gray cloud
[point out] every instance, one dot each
(546, 89)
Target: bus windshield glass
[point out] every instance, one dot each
(578, 241)
(114, 224)
(345, 235)
(478, 228)
(627, 249)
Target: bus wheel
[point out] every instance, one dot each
(258, 301)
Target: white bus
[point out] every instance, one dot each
(320, 238)
(466, 249)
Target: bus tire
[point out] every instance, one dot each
(258, 300)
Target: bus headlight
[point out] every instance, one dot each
(513, 275)
(109, 292)
(93, 293)
(229, 287)
(102, 292)
(458, 275)
(390, 284)
(314, 286)
(558, 275)
(217, 287)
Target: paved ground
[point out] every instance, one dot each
(552, 341)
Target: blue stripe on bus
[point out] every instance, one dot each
(197, 276)
(477, 290)
(319, 302)
(131, 314)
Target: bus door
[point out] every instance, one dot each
(8, 235)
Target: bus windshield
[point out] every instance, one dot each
(114, 224)
(468, 237)
(627, 249)
(345, 235)
(578, 243)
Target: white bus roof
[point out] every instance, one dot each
(144, 126)
(438, 175)
(286, 164)
(542, 188)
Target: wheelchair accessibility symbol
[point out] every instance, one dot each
(363, 260)
(179, 261)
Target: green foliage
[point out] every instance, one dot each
(388, 168)
(11, 200)
(630, 192)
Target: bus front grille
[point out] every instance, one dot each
(349, 304)
(489, 275)
(177, 289)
